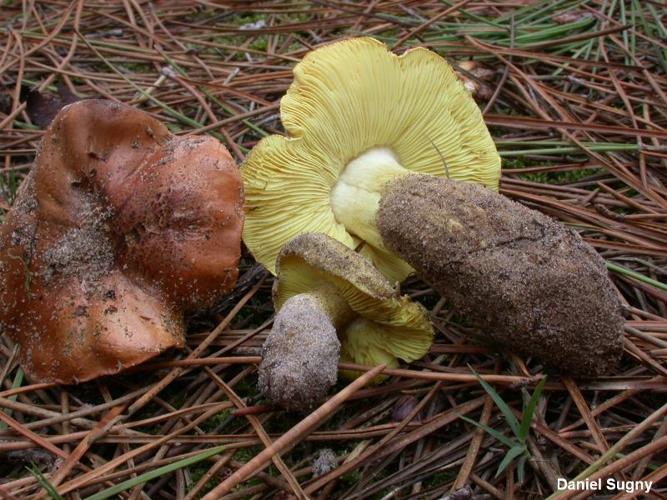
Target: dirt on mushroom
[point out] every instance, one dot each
(86, 250)
(530, 283)
(119, 230)
(331, 303)
(299, 357)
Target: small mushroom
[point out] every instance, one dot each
(119, 229)
(332, 301)
(365, 125)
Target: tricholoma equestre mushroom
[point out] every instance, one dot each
(331, 301)
(119, 229)
(391, 154)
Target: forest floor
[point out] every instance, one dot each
(575, 95)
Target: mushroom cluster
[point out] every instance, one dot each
(119, 229)
(388, 168)
(390, 154)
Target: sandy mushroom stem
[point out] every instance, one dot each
(301, 353)
(530, 283)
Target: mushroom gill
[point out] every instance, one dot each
(349, 98)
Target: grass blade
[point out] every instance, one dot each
(529, 410)
(500, 437)
(521, 468)
(509, 457)
(18, 380)
(500, 403)
(633, 274)
(44, 483)
(160, 471)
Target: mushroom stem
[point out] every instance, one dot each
(332, 304)
(532, 284)
(301, 353)
(355, 199)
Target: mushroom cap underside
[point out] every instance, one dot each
(386, 325)
(347, 98)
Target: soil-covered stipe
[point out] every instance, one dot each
(575, 95)
(526, 281)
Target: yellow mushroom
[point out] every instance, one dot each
(329, 300)
(358, 116)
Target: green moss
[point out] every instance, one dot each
(260, 43)
(567, 177)
(244, 455)
(350, 479)
(216, 421)
(439, 478)
(514, 162)
(9, 184)
(282, 422)
(197, 471)
(131, 67)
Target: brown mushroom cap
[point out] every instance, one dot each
(119, 229)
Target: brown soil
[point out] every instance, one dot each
(531, 284)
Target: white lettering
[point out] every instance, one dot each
(612, 484)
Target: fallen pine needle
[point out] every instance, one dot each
(291, 437)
